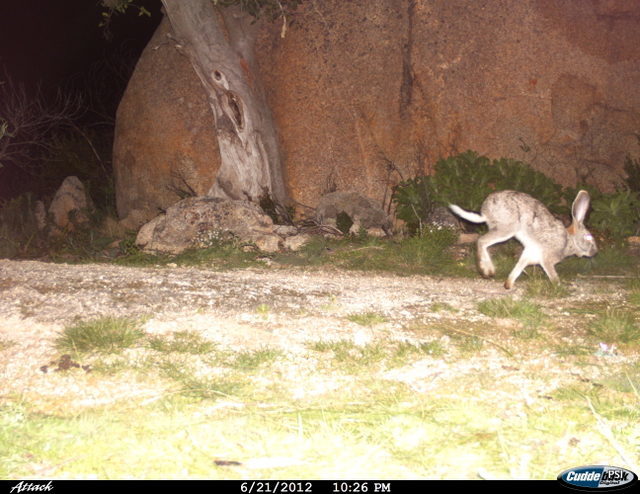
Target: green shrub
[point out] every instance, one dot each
(414, 199)
(466, 180)
(617, 215)
(516, 175)
(632, 169)
(429, 250)
(18, 226)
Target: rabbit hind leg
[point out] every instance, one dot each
(485, 264)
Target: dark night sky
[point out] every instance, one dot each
(56, 43)
(51, 41)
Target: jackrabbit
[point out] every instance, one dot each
(546, 241)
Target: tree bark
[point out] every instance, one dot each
(219, 43)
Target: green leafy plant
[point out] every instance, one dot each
(414, 199)
(466, 180)
(617, 214)
(431, 249)
(517, 175)
(632, 169)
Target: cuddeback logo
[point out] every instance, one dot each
(597, 477)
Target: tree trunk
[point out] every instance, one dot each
(219, 42)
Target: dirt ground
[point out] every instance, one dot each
(247, 309)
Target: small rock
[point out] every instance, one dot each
(285, 230)
(41, 215)
(635, 240)
(376, 232)
(296, 242)
(467, 238)
(442, 217)
(202, 221)
(70, 205)
(145, 235)
(268, 243)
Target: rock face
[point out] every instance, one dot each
(362, 211)
(165, 146)
(69, 206)
(360, 90)
(201, 221)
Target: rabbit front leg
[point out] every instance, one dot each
(550, 268)
(529, 258)
(523, 262)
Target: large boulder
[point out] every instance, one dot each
(165, 146)
(203, 221)
(361, 90)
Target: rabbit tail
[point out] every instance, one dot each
(467, 215)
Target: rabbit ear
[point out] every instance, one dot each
(580, 206)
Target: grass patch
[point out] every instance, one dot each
(6, 343)
(103, 335)
(405, 350)
(190, 342)
(634, 292)
(359, 425)
(369, 430)
(528, 313)
(351, 357)
(443, 307)
(428, 254)
(332, 346)
(203, 387)
(263, 311)
(616, 326)
(614, 397)
(610, 260)
(222, 257)
(573, 350)
(367, 318)
(539, 287)
(249, 360)
(468, 344)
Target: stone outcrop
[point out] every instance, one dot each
(70, 206)
(361, 90)
(204, 221)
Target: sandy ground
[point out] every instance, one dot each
(243, 309)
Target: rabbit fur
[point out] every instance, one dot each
(545, 239)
